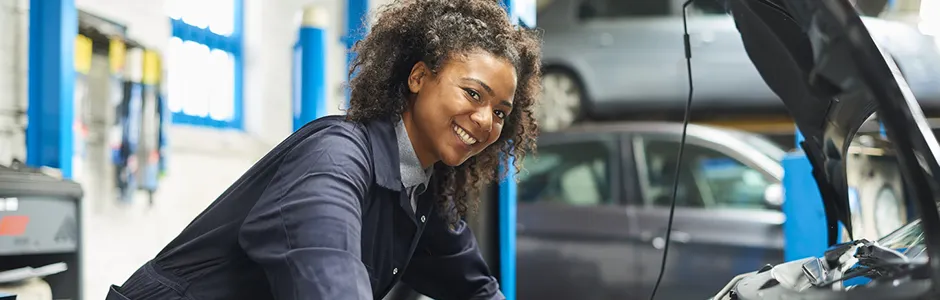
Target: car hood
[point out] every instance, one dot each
(819, 58)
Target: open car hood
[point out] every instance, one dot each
(819, 58)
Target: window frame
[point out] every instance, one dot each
(613, 167)
(233, 44)
(639, 140)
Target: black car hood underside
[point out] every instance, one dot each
(804, 59)
(819, 57)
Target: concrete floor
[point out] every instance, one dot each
(120, 238)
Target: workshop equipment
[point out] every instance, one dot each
(30, 289)
(40, 225)
(152, 124)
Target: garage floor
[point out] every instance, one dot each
(119, 238)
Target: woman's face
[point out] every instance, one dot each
(460, 111)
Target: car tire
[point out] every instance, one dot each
(562, 99)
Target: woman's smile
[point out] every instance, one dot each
(464, 136)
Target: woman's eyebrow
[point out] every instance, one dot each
(481, 83)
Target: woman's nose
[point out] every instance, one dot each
(483, 119)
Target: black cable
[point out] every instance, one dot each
(685, 126)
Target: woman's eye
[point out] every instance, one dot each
(473, 94)
(500, 114)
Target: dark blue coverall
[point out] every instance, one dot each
(324, 215)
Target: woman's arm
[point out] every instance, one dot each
(447, 264)
(305, 230)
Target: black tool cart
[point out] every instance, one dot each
(40, 225)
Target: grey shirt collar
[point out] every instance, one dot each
(411, 172)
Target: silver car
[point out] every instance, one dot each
(617, 59)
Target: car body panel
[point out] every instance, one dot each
(822, 49)
(630, 66)
(723, 240)
(610, 251)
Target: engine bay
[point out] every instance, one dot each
(894, 267)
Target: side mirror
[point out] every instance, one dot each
(773, 195)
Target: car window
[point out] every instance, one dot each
(575, 173)
(612, 9)
(707, 178)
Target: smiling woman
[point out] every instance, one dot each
(348, 206)
(461, 80)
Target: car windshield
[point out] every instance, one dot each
(908, 240)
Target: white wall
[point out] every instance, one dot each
(270, 30)
(13, 49)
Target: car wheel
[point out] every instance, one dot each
(561, 102)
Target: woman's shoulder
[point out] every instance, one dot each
(335, 123)
(328, 145)
(334, 134)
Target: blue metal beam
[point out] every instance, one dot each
(805, 227)
(53, 27)
(507, 231)
(310, 69)
(356, 29)
(523, 13)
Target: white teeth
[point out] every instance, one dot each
(464, 136)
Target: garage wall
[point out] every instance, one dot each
(13, 49)
(270, 28)
(203, 162)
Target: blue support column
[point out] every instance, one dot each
(521, 12)
(310, 68)
(804, 230)
(355, 30)
(53, 27)
(507, 231)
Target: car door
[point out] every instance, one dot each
(634, 49)
(573, 236)
(722, 225)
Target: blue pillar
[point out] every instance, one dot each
(310, 68)
(521, 12)
(805, 228)
(53, 27)
(355, 30)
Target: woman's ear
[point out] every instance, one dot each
(418, 77)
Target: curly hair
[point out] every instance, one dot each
(434, 31)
